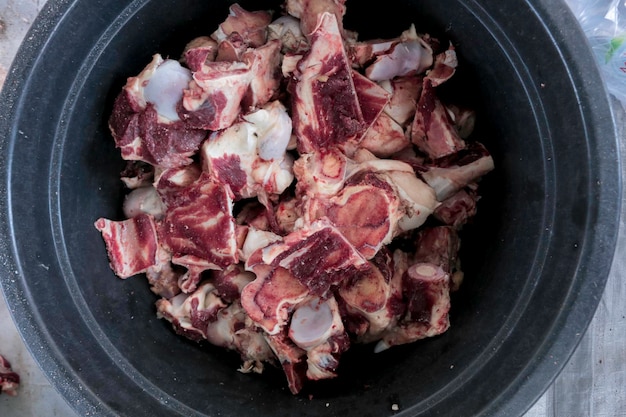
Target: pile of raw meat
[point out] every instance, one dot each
(274, 169)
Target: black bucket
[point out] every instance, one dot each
(536, 258)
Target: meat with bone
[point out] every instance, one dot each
(444, 67)
(458, 209)
(271, 297)
(144, 122)
(366, 211)
(322, 178)
(190, 314)
(198, 52)
(316, 326)
(407, 55)
(164, 276)
(385, 137)
(318, 256)
(257, 239)
(264, 63)
(440, 246)
(199, 229)
(321, 174)
(230, 281)
(426, 290)
(291, 358)
(372, 97)
(418, 198)
(432, 130)
(233, 329)
(405, 91)
(231, 48)
(9, 380)
(287, 30)
(324, 88)
(212, 100)
(250, 156)
(170, 182)
(373, 300)
(131, 244)
(144, 200)
(311, 13)
(308, 268)
(251, 26)
(448, 175)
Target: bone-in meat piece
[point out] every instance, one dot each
(9, 380)
(366, 296)
(233, 329)
(198, 52)
(251, 26)
(325, 109)
(439, 246)
(319, 256)
(403, 58)
(231, 48)
(321, 174)
(291, 358)
(250, 156)
(432, 130)
(264, 63)
(213, 99)
(144, 200)
(458, 209)
(311, 12)
(230, 281)
(190, 314)
(385, 137)
(199, 229)
(317, 327)
(271, 297)
(366, 212)
(287, 30)
(405, 91)
(144, 122)
(444, 67)
(131, 244)
(426, 287)
(448, 175)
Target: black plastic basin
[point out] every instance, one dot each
(536, 258)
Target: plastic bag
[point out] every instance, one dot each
(604, 24)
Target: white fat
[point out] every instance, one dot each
(311, 324)
(143, 200)
(272, 127)
(165, 88)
